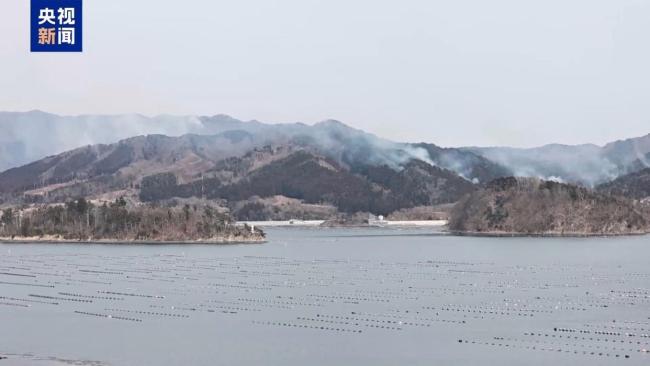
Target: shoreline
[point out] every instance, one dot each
(499, 234)
(320, 224)
(53, 240)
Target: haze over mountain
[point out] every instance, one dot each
(22, 140)
(285, 170)
(585, 164)
(327, 163)
(30, 136)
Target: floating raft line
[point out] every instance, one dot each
(130, 294)
(306, 326)
(16, 274)
(547, 348)
(108, 316)
(592, 339)
(91, 296)
(59, 298)
(25, 284)
(150, 313)
(574, 344)
(14, 304)
(224, 307)
(100, 272)
(27, 300)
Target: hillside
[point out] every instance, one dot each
(535, 207)
(346, 169)
(22, 141)
(127, 160)
(634, 185)
(316, 179)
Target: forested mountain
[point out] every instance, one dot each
(315, 168)
(344, 168)
(22, 141)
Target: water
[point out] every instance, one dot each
(329, 296)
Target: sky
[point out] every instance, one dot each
(455, 73)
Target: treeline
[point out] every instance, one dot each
(82, 220)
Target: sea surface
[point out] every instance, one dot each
(329, 297)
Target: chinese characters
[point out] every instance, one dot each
(55, 29)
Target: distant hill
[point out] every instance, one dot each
(537, 207)
(583, 164)
(634, 185)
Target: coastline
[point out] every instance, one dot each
(322, 223)
(281, 223)
(504, 234)
(58, 240)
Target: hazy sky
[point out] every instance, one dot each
(451, 72)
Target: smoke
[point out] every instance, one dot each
(26, 137)
(30, 136)
(347, 145)
(588, 165)
(553, 179)
(418, 153)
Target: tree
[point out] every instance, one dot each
(7, 216)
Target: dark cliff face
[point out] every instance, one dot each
(634, 185)
(532, 206)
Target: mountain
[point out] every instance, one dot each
(536, 207)
(22, 139)
(328, 163)
(128, 159)
(634, 185)
(588, 164)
